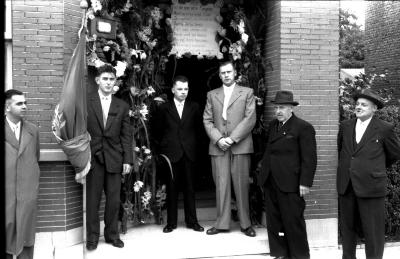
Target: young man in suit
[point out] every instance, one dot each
(112, 155)
(366, 146)
(229, 117)
(287, 172)
(22, 173)
(176, 127)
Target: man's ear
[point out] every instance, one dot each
(96, 79)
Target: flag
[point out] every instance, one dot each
(70, 118)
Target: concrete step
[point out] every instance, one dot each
(149, 242)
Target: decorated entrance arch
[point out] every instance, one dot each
(138, 38)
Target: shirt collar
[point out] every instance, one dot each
(229, 88)
(366, 122)
(177, 103)
(12, 124)
(101, 95)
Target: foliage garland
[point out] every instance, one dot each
(144, 38)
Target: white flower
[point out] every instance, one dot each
(136, 149)
(144, 111)
(147, 151)
(106, 48)
(143, 55)
(98, 63)
(120, 68)
(134, 53)
(115, 88)
(150, 90)
(241, 27)
(137, 185)
(96, 5)
(245, 38)
(382, 75)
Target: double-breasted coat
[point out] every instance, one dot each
(21, 186)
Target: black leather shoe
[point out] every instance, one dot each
(249, 231)
(169, 228)
(90, 246)
(116, 242)
(195, 227)
(214, 231)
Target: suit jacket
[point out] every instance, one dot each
(241, 119)
(365, 164)
(111, 145)
(21, 186)
(290, 156)
(174, 136)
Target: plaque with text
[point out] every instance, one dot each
(194, 27)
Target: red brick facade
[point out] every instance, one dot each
(382, 37)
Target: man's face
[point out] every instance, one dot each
(364, 109)
(283, 111)
(227, 74)
(16, 107)
(180, 90)
(106, 82)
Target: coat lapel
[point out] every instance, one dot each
(186, 110)
(237, 91)
(26, 137)
(220, 95)
(111, 112)
(173, 111)
(369, 132)
(285, 129)
(96, 106)
(10, 136)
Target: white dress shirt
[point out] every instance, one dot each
(105, 106)
(179, 106)
(228, 90)
(361, 126)
(16, 128)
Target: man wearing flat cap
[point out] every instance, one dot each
(286, 175)
(366, 146)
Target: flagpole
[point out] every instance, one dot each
(83, 5)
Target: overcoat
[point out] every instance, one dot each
(241, 118)
(22, 186)
(365, 164)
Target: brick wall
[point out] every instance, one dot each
(302, 47)
(382, 37)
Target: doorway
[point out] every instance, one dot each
(203, 77)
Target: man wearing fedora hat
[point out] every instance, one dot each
(366, 146)
(286, 175)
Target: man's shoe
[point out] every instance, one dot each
(249, 232)
(169, 228)
(116, 242)
(214, 231)
(195, 227)
(90, 246)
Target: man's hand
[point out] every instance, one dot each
(126, 169)
(304, 190)
(223, 144)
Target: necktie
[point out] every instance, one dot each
(280, 125)
(16, 133)
(105, 110)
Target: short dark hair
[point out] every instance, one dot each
(226, 62)
(180, 78)
(10, 93)
(106, 69)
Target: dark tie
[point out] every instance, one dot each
(280, 125)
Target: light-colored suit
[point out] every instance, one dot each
(235, 162)
(22, 186)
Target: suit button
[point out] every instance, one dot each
(352, 157)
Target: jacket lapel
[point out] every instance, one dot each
(285, 128)
(112, 112)
(369, 132)
(96, 106)
(173, 111)
(26, 137)
(186, 110)
(10, 136)
(235, 95)
(220, 95)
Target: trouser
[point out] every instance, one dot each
(97, 180)
(367, 214)
(27, 253)
(182, 177)
(235, 168)
(286, 227)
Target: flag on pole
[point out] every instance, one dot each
(70, 118)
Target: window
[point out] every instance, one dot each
(8, 45)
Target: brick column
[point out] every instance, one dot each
(302, 50)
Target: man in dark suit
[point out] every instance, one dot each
(176, 126)
(367, 146)
(287, 172)
(111, 147)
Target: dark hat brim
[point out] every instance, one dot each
(378, 103)
(294, 103)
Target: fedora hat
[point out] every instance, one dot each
(284, 97)
(370, 95)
